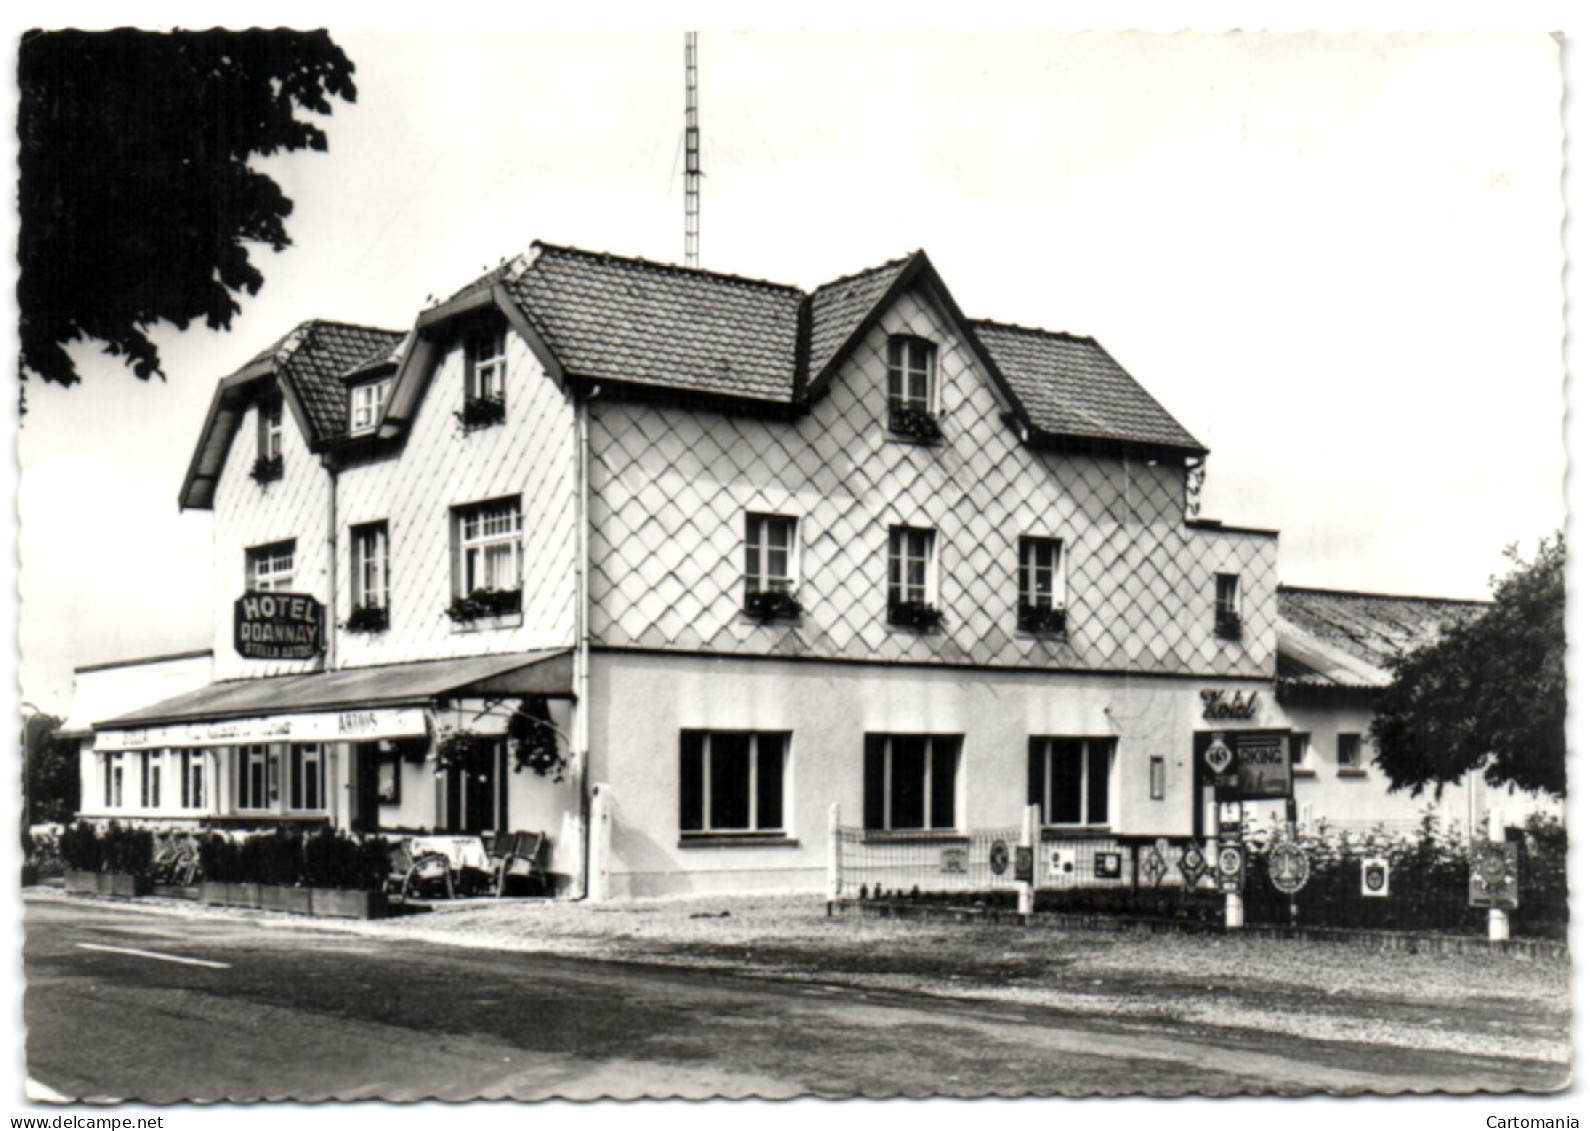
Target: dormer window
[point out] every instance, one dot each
(913, 392)
(268, 460)
(365, 403)
(485, 379)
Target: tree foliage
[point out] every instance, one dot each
(137, 198)
(51, 764)
(1491, 692)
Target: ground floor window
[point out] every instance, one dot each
(911, 781)
(306, 785)
(1349, 753)
(1070, 779)
(149, 780)
(253, 776)
(732, 781)
(192, 779)
(113, 781)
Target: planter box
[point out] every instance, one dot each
(173, 891)
(273, 897)
(82, 883)
(332, 903)
(243, 895)
(121, 884)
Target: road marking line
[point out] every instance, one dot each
(156, 955)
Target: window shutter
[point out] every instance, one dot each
(690, 814)
(872, 781)
(1035, 752)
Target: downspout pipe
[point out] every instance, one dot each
(582, 626)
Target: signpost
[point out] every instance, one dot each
(1493, 878)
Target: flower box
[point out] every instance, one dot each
(370, 618)
(123, 885)
(336, 903)
(1044, 620)
(772, 604)
(1228, 626)
(82, 883)
(267, 469)
(480, 412)
(485, 603)
(276, 897)
(914, 614)
(914, 423)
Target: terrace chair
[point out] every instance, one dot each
(518, 856)
(407, 872)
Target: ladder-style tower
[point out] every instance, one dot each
(692, 159)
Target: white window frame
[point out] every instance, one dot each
(192, 779)
(306, 766)
(760, 578)
(270, 567)
(902, 553)
(903, 367)
(149, 762)
(115, 781)
(1302, 742)
(1029, 570)
(1050, 752)
(486, 365)
(1357, 763)
(890, 822)
(247, 756)
(753, 769)
(371, 557)
(365, 404)
(270, 428)
(475, 543)
(1228, 608)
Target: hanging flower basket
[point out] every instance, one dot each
(480, 412)
(483, 603)
(532, 745)
(267, 469)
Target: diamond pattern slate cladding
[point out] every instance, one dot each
(651, 324)
(1070, 385)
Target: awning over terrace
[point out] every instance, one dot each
(352, 704)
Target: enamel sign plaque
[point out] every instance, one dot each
(1245, 765)
(278, 626)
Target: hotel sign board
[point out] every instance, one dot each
(278, 626)
(1245, 765)
(322, 726)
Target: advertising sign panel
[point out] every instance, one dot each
(1288, 868)
(278, 626)
(1249, 765)
(1376, 877)
(1493, 875)
(1230, 862)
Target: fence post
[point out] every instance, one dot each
(1498, 926)
(599, 885)
(836, 863)
(1029, 841)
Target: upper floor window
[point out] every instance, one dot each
(1040, 575)
(1069, 778)
(268, 461)
(911, 781)
(365, 403)
(1228, 606)
(270, 568)
(1349, 754)
(485, 379)
(486, 573)
(770, 566)
(369, 578)
(913, 589)
(913, 392)
(732, 782)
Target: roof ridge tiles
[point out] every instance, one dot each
(666, 268)
(887, 265)
(1035, 330)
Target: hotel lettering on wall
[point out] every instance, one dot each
(278, 626)
(1245, 765)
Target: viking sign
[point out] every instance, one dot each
(278, 626)
(1245, 765)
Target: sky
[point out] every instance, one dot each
(1336, 259)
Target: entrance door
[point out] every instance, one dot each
(473, 800)
(366, 778)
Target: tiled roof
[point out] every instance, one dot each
(609, 318)
(314, 356)
(838, 308)
(1334, 638)
(1071, 387)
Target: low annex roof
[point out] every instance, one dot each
(1343, 639)
(659, 329)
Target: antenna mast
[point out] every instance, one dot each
(692, 159)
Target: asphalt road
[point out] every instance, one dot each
(127, 1004)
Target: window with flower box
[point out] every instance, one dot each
(268, 455)
(270, 568)
(911, 782)
(771, 552)
(370, 565)
(1040, 576)
(732, 783)
(1069, 778)
(485, 379)
(486, 578)
(913, 583)
(913, 392)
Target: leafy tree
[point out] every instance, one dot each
(1491, 692)
(51, 764)
(137, 199)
